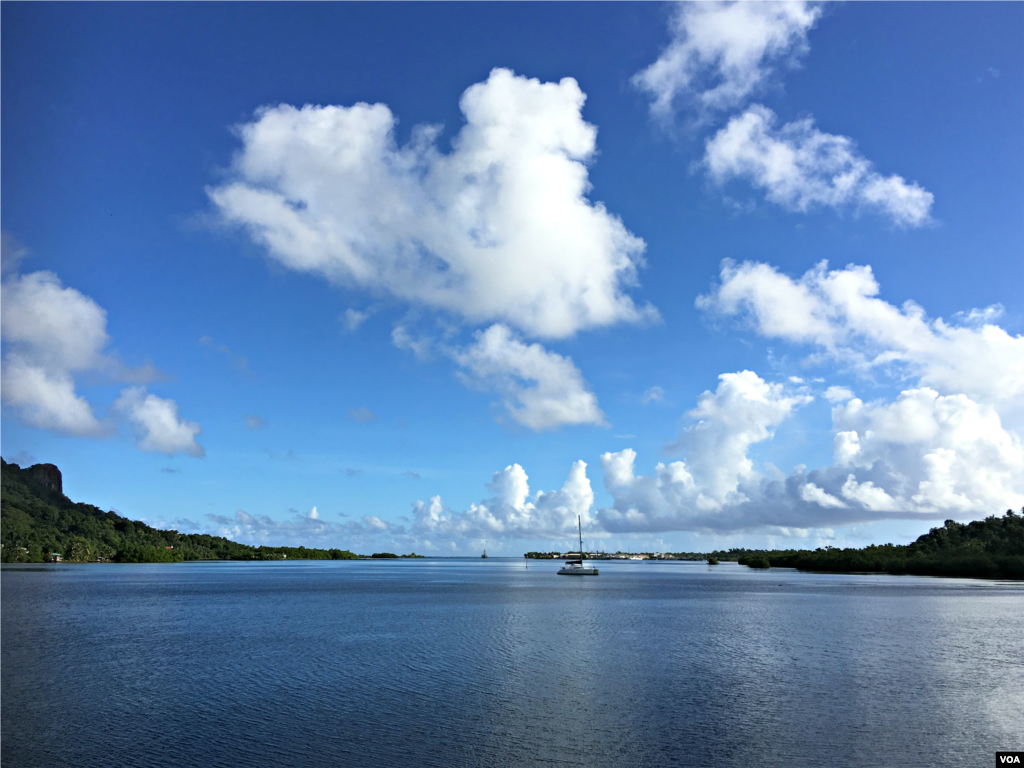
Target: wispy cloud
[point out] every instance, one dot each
(239, 362)
(801, 168)
(362, 415)
(255, 422)
(723, 52)
(653, 395)
(11, 253)
(351, 318)
(22, 459)
(404, 340)
(367, 533)
(288, 455)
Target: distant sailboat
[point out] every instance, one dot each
(577, 567)
(484, 554)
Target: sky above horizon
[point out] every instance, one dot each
(443, 277)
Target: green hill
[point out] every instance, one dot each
(37, 520)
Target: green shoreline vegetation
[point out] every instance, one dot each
(37, 521)
(992, 548)
(393, 556)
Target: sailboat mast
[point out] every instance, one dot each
(579, 520)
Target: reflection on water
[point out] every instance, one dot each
(470, 662)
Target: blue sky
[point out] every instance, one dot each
(378, 275)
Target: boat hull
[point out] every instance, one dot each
(577, 571)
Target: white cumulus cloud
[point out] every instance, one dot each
(497, 229)
(924, 456)
(46, 398)
(669, 499)
(950, 452)
(801, 168)
(838, 394)
(744, 410)
(58, 327)
(839, 312)
(868, 494)
(158, 427)
(510, 513)
(941, 447)
(54, 333)
(811, 492)
(722, 52)
(540, 389)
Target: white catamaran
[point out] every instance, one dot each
(576, 567)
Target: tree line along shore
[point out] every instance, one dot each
(38, 522)
(992, 548)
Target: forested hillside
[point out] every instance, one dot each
(37, 520)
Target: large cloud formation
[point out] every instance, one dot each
(839, 313)
(802, 168)
(923, 456)
(510, 514)
(744, 410)
(498, 229)
(54, 332)
(939, 449)
(722, 52)
(942, 448)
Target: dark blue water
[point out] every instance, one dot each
(484, 663)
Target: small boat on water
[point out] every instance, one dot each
(578, 567)
(484, 554)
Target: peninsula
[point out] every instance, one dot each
(39, 523)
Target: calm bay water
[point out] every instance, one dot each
(484, 663)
